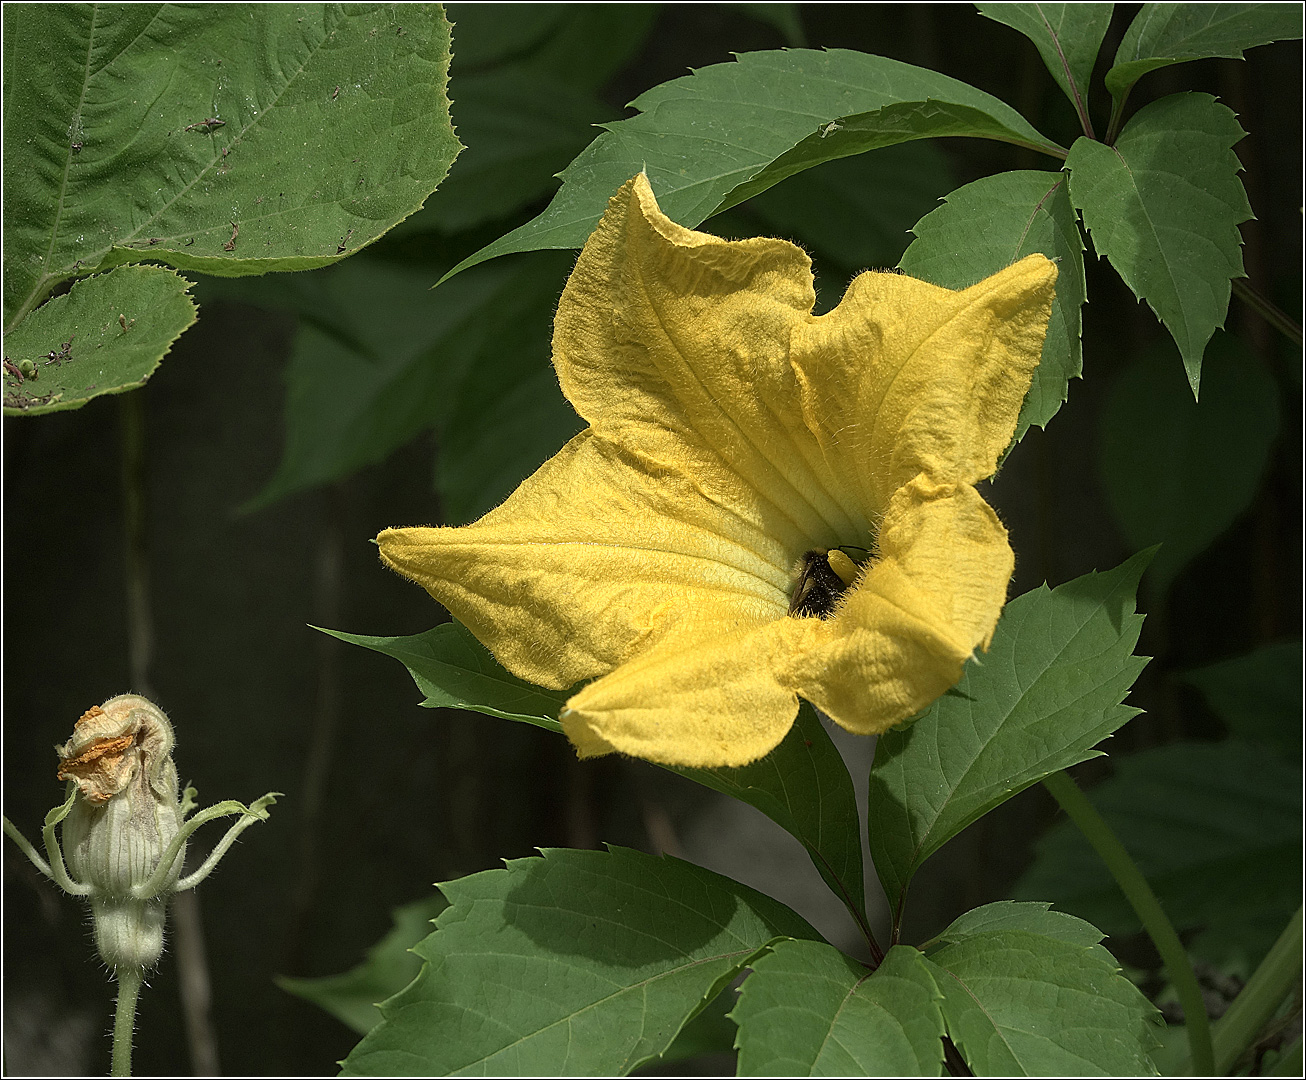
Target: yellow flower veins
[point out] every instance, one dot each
(731, 431)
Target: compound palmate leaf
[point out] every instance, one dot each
(1047, 691)
(985, 226)
(225, 138)
(808, 1010)
(1164, 205)
(711, 139)
(577, 963)
(105, 335)
(1029, 992)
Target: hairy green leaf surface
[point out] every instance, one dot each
(1258, 695)
(577, 963)
(1164, 205)
(1047, 691)
(857, 211)
(1216, 829)
(709, 140)
(984, 227)
(1177, 471)
(1035, 918)
(380, 358)
(456, 671)
(105, 335)
(804, 787)
(808, 1010)
(229, 139)
(1163, 34)
(1067, 37)
(1042, 1000)
(353, 996)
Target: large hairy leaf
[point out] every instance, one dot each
(808, 1010)
(709, 140)
(106, 335)
(1067, 37)
(1216, 829)
(984, 227)
(1163, 34)
(577, 963)
(1047, 691)
(1031, 993)
(1164, 205)
(1178, 472)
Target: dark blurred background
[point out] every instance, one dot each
(382, 797)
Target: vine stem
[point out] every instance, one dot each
(1148, 909)
(124, 1019)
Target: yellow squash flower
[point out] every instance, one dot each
(741, 449)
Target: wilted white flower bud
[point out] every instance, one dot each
(127, 813)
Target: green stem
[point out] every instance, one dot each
(11, 831)
(1267, 309)
(124, 1019)
(1148, 909)
(1252, 1009)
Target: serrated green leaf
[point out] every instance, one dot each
(456, 671)
(1047, 691)
(105, 335)
(711, 139)
(804, 787)
(1216, 829)
(229, 139)
(1019, 1003)
(1034, 918)
(380, 357)
(857, 211)
(808, 1010)
(1164, 205)
(984, 227)
(353, 997)
(1258, 695)
(1177, 471)
(578, 963)
(1067, 37)
(1163, 34)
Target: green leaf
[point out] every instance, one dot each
(1163, 34)
(456, 671)
(1215, 828)
(380, 357)
(105, 335)
(1035, 918)
(1047, 691)
(1177, 471)
(1067, 37)
(227, 139)
(986, 226)
(391, 965)
(577, 963)
(857, 211)
(1258, 695)
(804, 787)
(808, 1010)
(1025, 1002)
(712, 139)
(1164, 205)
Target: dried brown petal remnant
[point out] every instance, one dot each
(111, 744)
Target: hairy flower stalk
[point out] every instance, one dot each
(125, 825)
(767, 504)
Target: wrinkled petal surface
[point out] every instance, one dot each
(730, 431)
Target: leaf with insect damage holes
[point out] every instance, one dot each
(105, 335)
(230, 139)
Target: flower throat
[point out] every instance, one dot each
(823, 576)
